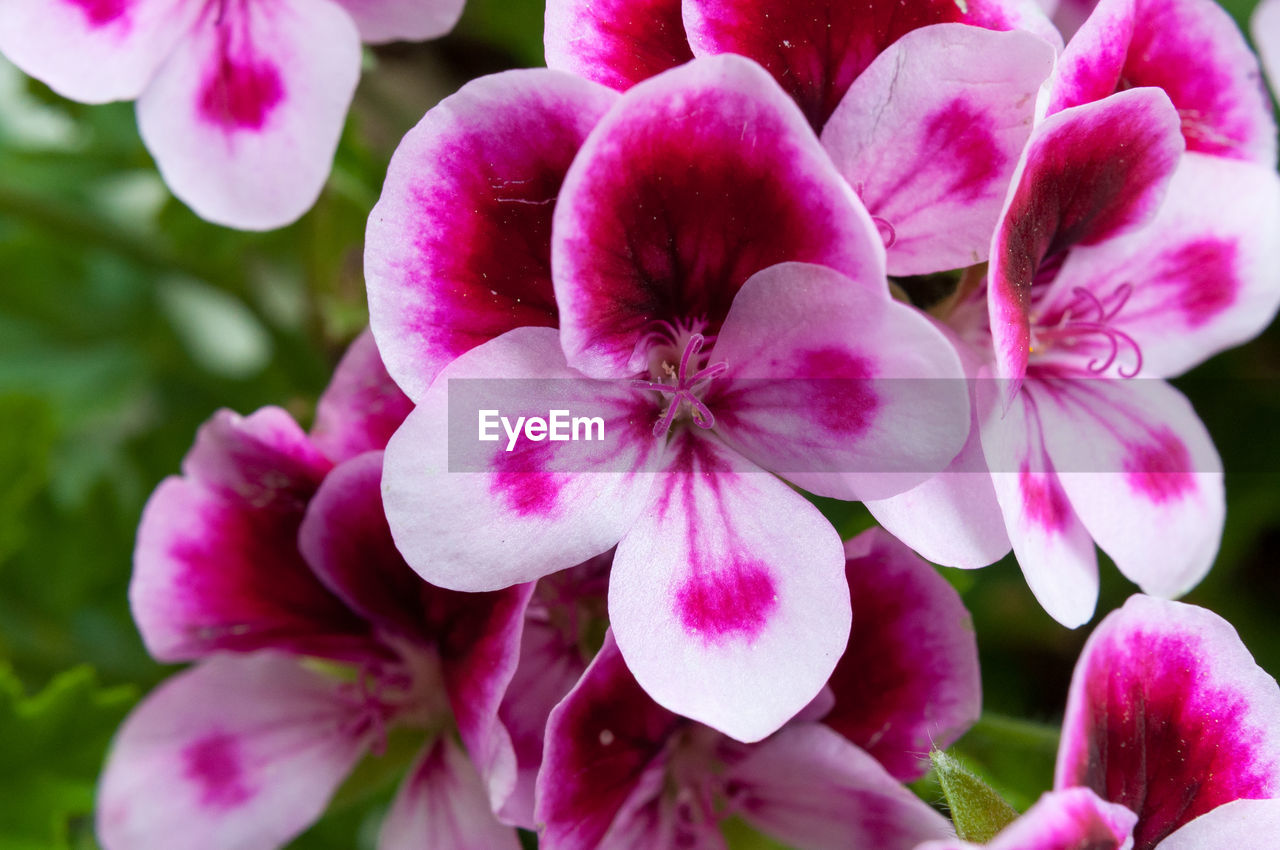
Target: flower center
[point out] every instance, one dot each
(684, 382)
(1086, 319)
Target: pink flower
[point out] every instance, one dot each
(708, 357)
(1170, 741)
(241, 103)
(622, 772)
(269, 562)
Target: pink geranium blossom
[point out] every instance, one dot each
(241, 103)
(269, 563)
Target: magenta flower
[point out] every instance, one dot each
(1170, 741)
(241, 103)
(270, 563)
(815, 49)
(708, 365)
(1118, 257)
(622, 772)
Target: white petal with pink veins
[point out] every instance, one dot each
(94, 50)
(381, 21)
(929, 136)
(240, 752)
(728, 597)
(244, 120)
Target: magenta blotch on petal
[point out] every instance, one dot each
(1169, 715)
(616, 43)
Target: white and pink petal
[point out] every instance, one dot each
(380, 21)
(238, 752)
(728, 597)
(361, 408)
(1239, 825)
(1072, 819)
(929, 136)
(1169, 715)
(458, 249)
(243, 121)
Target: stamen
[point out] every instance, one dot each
(887, 233)
(685, 387)
(1087, 314)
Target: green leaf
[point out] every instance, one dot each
(26, 438)
(977, 811)
(52, 746)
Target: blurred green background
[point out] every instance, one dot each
(125, 321)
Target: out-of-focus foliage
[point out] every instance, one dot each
(125, 321)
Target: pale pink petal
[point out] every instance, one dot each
(1265, 28)
(217, 566)
(1055, 552)
(929, 136)
(1074, 819)
(1141, 473)
(240, 752)
(615, 42)
(603, 742)
(693, 182)
(93, 50)
(361, 408)
(1192, 50)
(1169, 715)
(381, 21)
(1202, 277)
(442, 803)
(244, 119)
(816, 48)
(908, 680)
(835, 386)
(811, 788)
(470, 515)
(728, 596)
(458, 249)
(1238, 825)
(1088, 174)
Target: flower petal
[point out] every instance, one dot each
(929, 136)
(908, 680)
(728, 597)
(1053, 548)
(693, 182)
(1074, 819)
(243, 120)
(601, 740)
(238, 752)
(1265, 28)
(811, 788)
(1141, 472)
(217, 565)
(816, 48)
(470, 515)
(1169, 715)
(833, 385)
(380, 21)
(1088, 174)
(93, 51)
(442, 803)
(458, 249)
(361, 408)
(1202, 277)
(1190, 48)
(616, 43)
(1240, 825)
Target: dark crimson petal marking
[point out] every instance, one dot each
(908, 680)
(599, 742)
(1169, 715)
(616, 43)
(816, 48)
(1191, 49)
(693, 182)
(459, 245)
(213, 763)
(1088, 174)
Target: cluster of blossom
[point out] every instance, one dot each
(697, 224)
